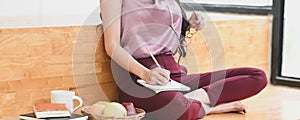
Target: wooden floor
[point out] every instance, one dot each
(273, 103)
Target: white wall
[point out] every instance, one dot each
(45, 13)
(35, 13)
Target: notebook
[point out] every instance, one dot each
(31, 116)
(46, 110)
(172, 85)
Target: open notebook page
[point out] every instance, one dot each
(173, 85)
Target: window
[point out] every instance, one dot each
(261, 7)
(291, 43)
(285, 45)
(233, 2)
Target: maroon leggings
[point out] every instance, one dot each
(221, 86)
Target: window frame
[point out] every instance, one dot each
(277, 48)
(225, 8)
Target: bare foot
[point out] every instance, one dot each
(236, 106)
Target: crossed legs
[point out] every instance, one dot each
(221, 91)
(202, 96)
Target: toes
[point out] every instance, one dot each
(239, 107)
(244, 111)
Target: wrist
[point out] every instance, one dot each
(145, 75)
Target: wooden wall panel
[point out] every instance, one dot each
(246, 43)
(34, 61)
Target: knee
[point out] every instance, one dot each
(195, 111)
(186, 109)
(174, 106)
(260, 79)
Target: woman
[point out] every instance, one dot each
(130, 26)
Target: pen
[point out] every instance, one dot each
(149, 51)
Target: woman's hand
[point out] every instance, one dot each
(158, 76)
(197, 21)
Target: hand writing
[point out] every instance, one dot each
(159, 76)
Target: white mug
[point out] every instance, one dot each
(66, 97)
